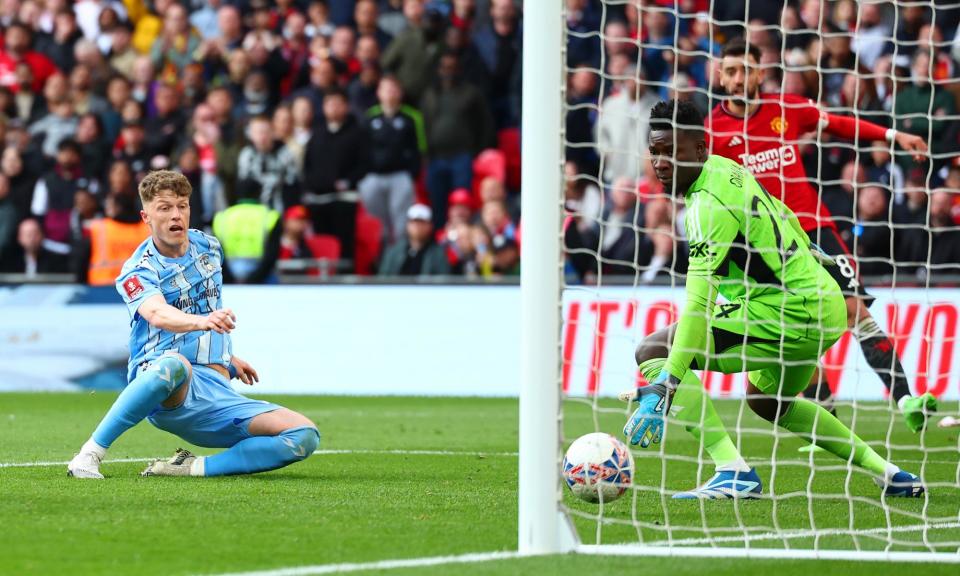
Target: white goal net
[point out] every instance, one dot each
(626, 251)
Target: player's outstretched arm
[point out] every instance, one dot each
(691, 336)
(853, 128)
(158, 313)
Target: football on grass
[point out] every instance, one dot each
(598, 467)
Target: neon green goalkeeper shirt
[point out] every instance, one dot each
(749, 247)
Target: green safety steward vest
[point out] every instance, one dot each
(243, 229)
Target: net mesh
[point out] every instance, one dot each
(626, 251)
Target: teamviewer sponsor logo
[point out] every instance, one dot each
(769, 160)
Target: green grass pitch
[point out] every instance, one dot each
(366, 504)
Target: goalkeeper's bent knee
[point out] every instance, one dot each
(301, 442)
(169, 372)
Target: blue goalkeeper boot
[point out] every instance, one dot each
(726, 485)
(902, 485)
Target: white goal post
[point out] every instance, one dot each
(544, 524)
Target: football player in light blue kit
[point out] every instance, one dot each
(181, 361)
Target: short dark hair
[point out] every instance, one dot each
(688, 117)
(69, 144)
(739, 47)
(335, 92)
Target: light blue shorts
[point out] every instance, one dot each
(213, 415)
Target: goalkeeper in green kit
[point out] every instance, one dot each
(782, 310)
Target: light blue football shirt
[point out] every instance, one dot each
(192, 284)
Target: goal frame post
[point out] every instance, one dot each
(542, 527)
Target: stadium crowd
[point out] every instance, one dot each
(383, 135)
(893, 64)
(377, 135)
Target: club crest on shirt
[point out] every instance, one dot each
(132, 287)
(779, 124)
(205, 262)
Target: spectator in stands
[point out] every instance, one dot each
(458, 126)
(164, 129)
(334, 163)
(33, 255)
(461, 207)
(362, 90)
(623, 247)
(473, 69)
(365, 17)
(583, 47)
(120, 179)
(666, 237)
(8, 216)
(884, 171)
(500, 45)
(391, 19)
(81, 92)
(17, 48)
(133, 150)
(417, 254)
(30, 106)
(502, 231)
(873, 34)
(121, 55)
(943, 240)
(296, 230)
(393, 133)
(96, 152)
(323, 77)
(204, 19)
(858, 92)
(108, 241)
(923, 109)
(837, 60)
(86, 207)
(930, 40)
(623, 126)
(60, 122)
(580, 118)
(53, 196)
(176, 44)
(910, 20)
(342, 47)
(295, 51)
(302, 115)
(21, 181)
(872, 232)
(250, 234)
(368, 51)
(413, 54)
(268, 162)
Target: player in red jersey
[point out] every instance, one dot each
(761, 131)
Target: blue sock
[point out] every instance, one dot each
(139, 398)
(262, 453)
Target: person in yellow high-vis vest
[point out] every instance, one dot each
(111, 241)
(250, 236)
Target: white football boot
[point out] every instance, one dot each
(179, 465)
(85, 465)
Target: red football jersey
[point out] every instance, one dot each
(767, 146)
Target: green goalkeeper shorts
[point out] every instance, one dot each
(777, 339)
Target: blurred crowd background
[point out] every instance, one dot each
(382, 136)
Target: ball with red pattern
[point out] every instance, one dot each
(598, 467)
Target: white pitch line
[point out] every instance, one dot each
(317, 452)
(380, 565)
(792, 534)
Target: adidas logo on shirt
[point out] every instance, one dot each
(735, 141)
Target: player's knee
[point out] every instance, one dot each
(764, 407)
(653, 346)
(302, 442)
(170, 371)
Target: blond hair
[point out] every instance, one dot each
(163, 181)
